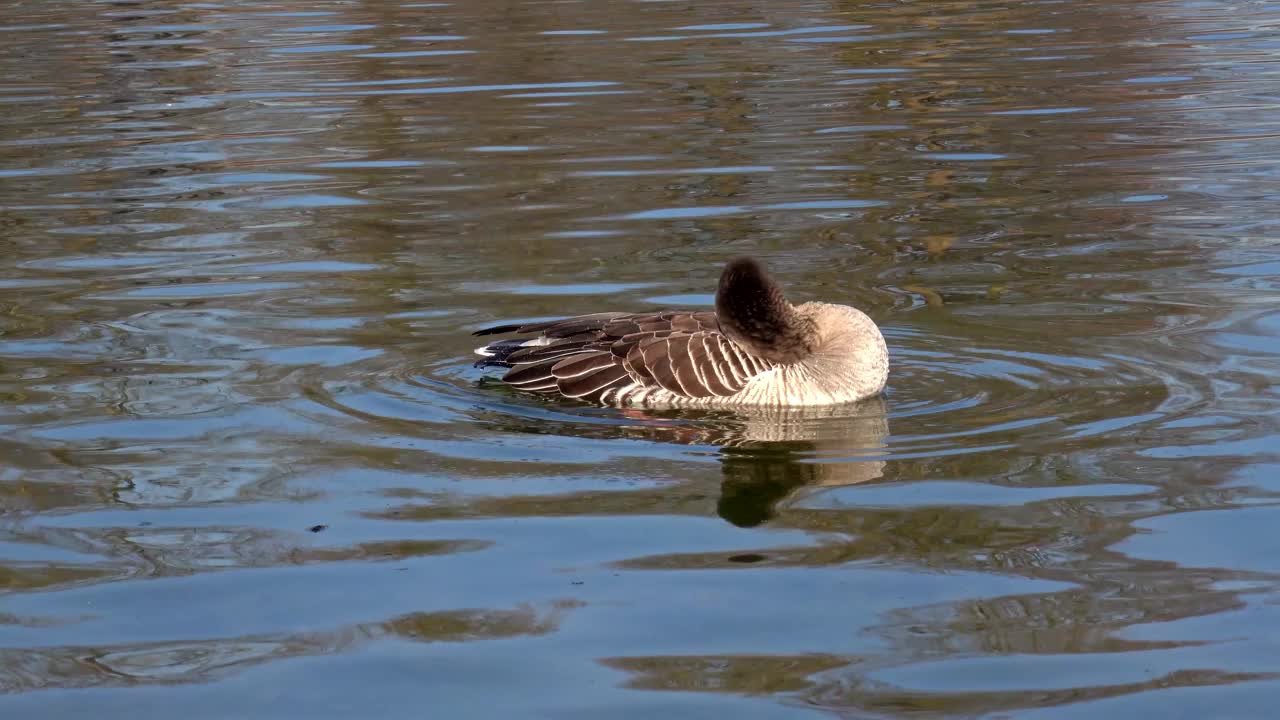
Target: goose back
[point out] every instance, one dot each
(596, 357)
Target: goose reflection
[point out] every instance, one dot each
(781, 456)
(776, 455)
(768, 457)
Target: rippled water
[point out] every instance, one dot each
(247, 469)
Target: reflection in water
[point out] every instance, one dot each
(765, 454)
(245, 243)
(768, 457)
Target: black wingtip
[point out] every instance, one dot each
(497, 329)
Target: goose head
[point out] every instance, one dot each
(837, 348)
(754, 312)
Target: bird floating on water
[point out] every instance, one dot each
(755, 349)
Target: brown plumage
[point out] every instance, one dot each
(701, 357)
(755, 313)
(588, 356)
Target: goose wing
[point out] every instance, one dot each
(584, 357)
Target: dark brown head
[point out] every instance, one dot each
(754, 313)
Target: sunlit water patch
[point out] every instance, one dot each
(244, 454)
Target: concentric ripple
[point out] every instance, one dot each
(245, 450)
(945, 397)
(948, 396)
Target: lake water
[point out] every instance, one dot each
(247, 469)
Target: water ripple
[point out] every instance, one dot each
(244, 444)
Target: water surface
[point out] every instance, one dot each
(247, 468)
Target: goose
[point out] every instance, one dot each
(755, 349)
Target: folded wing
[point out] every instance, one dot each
(590, 356)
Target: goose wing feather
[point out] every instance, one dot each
(680, 351)
(697, 365)
(556, 328)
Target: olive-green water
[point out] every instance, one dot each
(247, 469)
